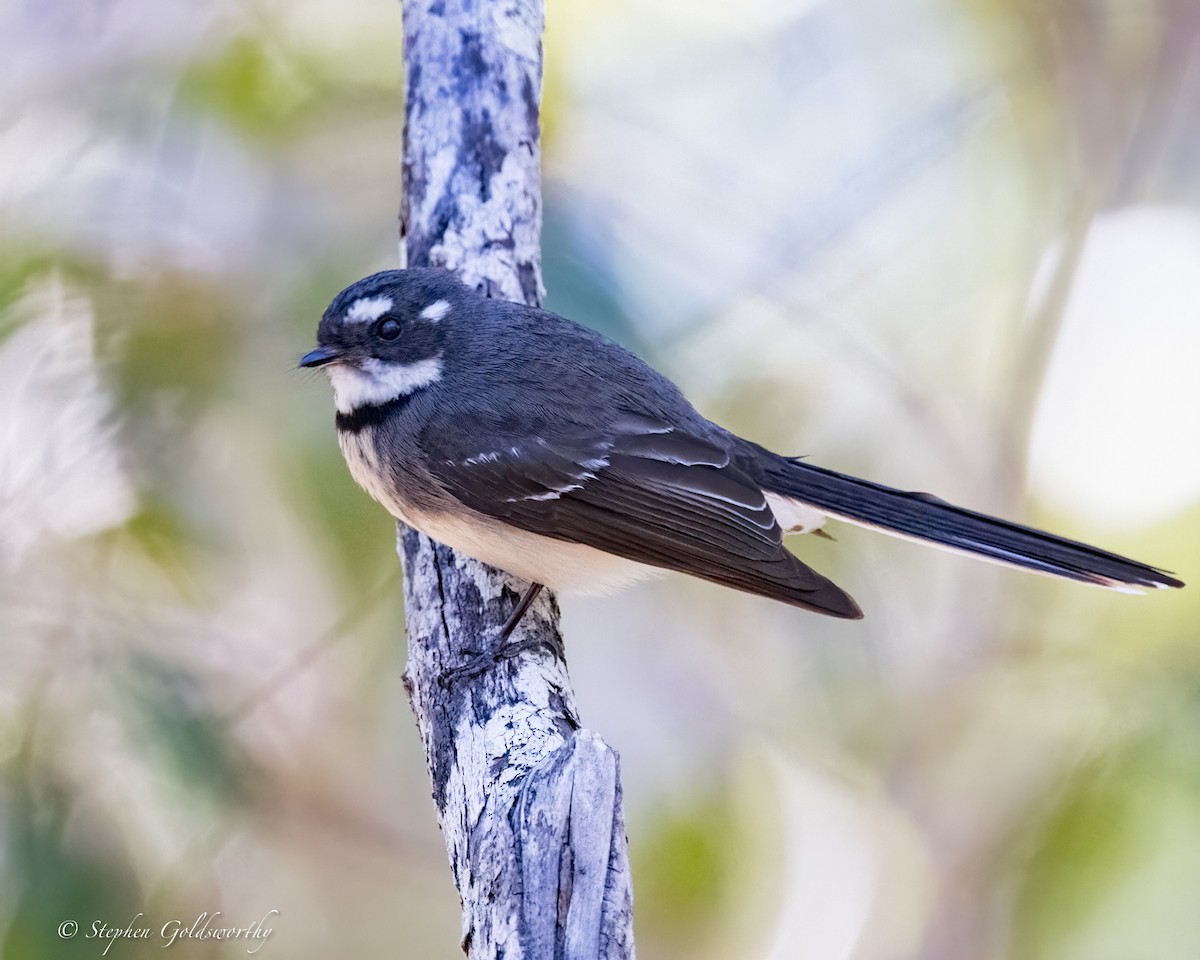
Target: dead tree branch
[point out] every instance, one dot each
(529, 803)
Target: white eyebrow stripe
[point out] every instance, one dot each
(435, 311)
(368, 309)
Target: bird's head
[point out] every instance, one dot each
(385, 336)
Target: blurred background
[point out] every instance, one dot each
(950, 245)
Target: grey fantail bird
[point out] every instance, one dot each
(538, 446)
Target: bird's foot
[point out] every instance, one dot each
(505, 648)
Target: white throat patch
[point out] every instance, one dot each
(375, 382)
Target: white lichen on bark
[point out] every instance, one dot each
(529, 803)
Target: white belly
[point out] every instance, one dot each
(561, 566)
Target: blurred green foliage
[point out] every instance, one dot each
(59, 865)
(252, 90)
(176, 723)
(683, 863)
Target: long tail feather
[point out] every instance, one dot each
(921, 516)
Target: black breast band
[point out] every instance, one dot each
(371, 415)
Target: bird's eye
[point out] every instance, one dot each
(387, 329)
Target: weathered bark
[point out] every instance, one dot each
(529, 803)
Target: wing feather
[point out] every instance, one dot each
(643, 490)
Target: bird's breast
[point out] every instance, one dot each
(362, 457)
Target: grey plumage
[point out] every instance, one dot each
(509, 429)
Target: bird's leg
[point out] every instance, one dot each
(518, 612)
(504, 649)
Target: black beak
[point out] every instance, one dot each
(320, 357)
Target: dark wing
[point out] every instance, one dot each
(643, 490)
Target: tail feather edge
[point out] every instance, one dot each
(918, 516)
